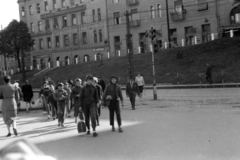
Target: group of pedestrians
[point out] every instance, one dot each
(83, 97)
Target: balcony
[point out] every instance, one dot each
(135, 23)
(132, 2)
(178, 16)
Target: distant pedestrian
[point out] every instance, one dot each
(132, 91)
(223, 32)
(20, 95)
(10, 95)
(101, 82)
(113, 94)
(100, 93)
(61, 97)
(209, 73)
(27, 94)
(89, 101)
(140, 81)
(76, 97)
(68, 100)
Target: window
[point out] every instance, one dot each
(202, 5)
(206, 31)
(100, 35)
(189, 35)
(66, 41)
(134, 15)
(63, 3)
(46, 5)
(178, 6)
(173, 35)
(38, 8)
(116, 18)
(34, 45)
(74, 19)
(55, 23)
(40, 29)
(30, 10)
(115, 1)
(75, 39)
(83, 18)
(142, 42)
(40, 43)
(117, 43)
(159, 10)
(47, 25)
(95, 36)
(84, 37)
(54, 4)
(23, 12)
(81, 1)
(64, 18)
(152, 12)
(93, 15)
(237, 17)
(57, 41)
(72, 3)
(49, 43)
(32, 27)
(99, 14)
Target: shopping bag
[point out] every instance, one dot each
(81, 126)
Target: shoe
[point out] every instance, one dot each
(113, 129)
(95, 134)
(62, 125)
(15, 131)
(133, 108)
(69, 116)
(120, 129)
(54, 118)
(58, 125)
(9, 135)
(88, 132)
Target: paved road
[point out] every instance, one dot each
(183, 124)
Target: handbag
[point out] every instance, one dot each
(81, 126)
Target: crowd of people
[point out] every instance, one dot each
(59, 99)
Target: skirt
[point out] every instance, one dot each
(140, 88)
(9, 116)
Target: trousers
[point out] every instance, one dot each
(114, 107)
(90, 112)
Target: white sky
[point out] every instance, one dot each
(8, 12)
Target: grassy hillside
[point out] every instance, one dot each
(223, 54)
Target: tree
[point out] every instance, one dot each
(21, 42)
(5, 46)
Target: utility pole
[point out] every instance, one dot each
(153, 36)
(129, 45)
(23, 65)
(168, 25)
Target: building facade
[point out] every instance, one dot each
(11, 65)
(75, 31)
(190, 22)
(65, 31)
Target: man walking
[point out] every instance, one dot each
(209, 73)
(27, 94)
(88, 103)
(131, 91)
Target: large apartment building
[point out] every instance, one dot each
(190, 22)
(11, 65)
(65, 31)
(75, 31)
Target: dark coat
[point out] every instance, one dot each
(132, 90)
(102, 84)
(88, 95)
(76, 91)
(114, 90)
(27, 92)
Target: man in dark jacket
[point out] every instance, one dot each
(113, 94)
(132, 91)
(88, 102)
(27, 94)
(209, 73)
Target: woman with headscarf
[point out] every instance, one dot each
(10, 95)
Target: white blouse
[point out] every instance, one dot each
(139, 80)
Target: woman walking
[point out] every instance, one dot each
(27, 94)
(9, 95)
(68, 100)
(140, 81)
(113, 94)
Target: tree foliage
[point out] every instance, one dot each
(236, 2)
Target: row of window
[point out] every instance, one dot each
(65, 21)
(46, 6)
(97, 37)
